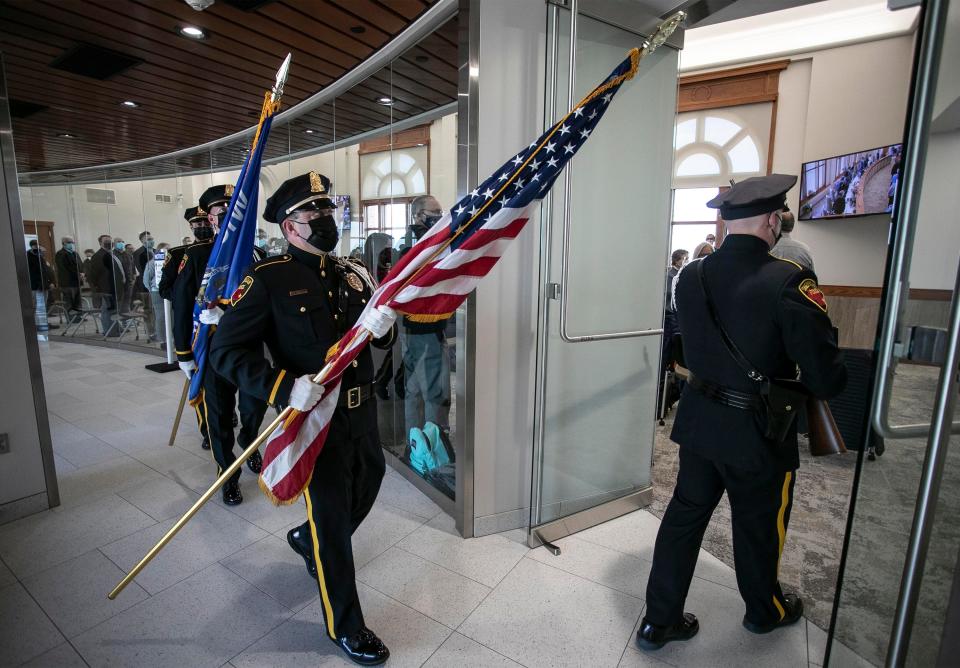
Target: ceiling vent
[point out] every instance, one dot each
(163, 199)
(23, 109)
(101, 196)
(95, 62)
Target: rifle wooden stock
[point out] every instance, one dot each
(825, 438)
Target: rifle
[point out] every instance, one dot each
(825, 438)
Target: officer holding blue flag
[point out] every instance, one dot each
(218, 398)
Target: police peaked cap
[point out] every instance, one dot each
(215, 195)
(754, 196)
(193, 214)
(310, 190)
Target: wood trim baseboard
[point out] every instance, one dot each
(868, 292)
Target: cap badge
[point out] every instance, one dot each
(316, 184)
(228, 190)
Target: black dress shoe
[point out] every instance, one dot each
(205, 444)
(364, 647)
(651, 636)
(231, 493)
(255, 462)
(793, 611)
(303, 546)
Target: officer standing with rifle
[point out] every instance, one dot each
(748, 321)
(300, 304)
(219, 396)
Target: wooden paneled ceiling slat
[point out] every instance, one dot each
(192, 92)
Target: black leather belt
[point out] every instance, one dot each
(723, 395)
(354, 396)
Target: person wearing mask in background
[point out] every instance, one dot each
(712, 240)
(261, 240)
(68, 265)
(151, 283)
(121, 251)
(141, 256)
(703, 249)
(678, 258)
(789, 248)
(299, 305)
(85, 267)
(746, 317)
(41, 280)
(219, 394)
(108, 281)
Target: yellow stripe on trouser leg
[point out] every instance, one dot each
(327, 609)
(782, 532)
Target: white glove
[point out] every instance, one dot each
(378, 320)
(211, 316)
(305, 393)
(188, 368)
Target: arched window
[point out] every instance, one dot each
(716, 145)
(389, 181)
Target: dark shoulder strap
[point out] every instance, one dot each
(731, 347)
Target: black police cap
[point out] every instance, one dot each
(215, 195)
(753, 196)
(193, 214)
(300, 192)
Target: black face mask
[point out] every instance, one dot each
(220, 217)
(203, 233)
(323, 234)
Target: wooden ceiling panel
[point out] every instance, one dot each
(192, 91)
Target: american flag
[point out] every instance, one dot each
(436, 275)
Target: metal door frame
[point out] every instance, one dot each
(540, 533)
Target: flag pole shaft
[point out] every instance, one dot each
(187, 516)
(217, 484)
(176, 422)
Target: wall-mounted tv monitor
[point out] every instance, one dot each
(855, 184)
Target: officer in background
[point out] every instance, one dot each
(168, 276)
(219, 396)
(774, 313)
(300, 304)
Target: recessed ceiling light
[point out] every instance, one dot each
(309, 131)
(193, 32)
(130, 103)
(358, 30)
(66, 135)
(385, 101)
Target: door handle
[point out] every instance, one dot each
(915, 156)
(565, 250)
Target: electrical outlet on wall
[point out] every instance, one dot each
(4, 444)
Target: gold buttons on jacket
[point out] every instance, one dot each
(303, 309)
(323, 274)
(355, 363)
(329, 293)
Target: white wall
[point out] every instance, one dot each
(837, 101)
(937, 243)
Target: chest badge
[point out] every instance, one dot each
(809, 289)
(354, 282)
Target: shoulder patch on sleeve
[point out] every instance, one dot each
(183, 263)
(241, 290)
(809, 289)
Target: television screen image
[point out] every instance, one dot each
(855, 184)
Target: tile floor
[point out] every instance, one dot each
(229, 592)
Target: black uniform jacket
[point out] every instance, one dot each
(299, 304)
(777, 317)
(171, 264)
(190, 273)
(185, 288)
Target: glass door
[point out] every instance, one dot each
(605, 240)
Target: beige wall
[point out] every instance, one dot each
(839, 101)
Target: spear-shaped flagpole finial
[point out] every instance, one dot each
(281, 79)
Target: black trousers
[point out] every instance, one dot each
(219, 401)
(346, 480)
(71, 296)
(760, 502)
